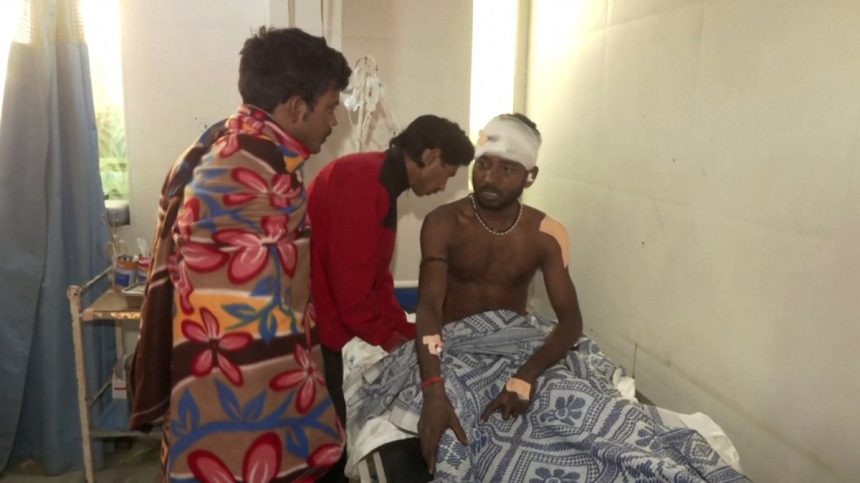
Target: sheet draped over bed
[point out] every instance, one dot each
(578, 428)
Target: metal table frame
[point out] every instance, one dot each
(111, 306)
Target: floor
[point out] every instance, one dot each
(132, 462)
(135, 463)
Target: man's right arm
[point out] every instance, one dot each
(432, 284)
(437, 413)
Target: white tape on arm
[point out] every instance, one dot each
(434, 344)
(520, 387)
(556, 230)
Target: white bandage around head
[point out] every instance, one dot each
(434, 344)
(507, 137)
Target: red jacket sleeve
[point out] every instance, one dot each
(360, 281)
(404, 328)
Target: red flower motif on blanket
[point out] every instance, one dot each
(306, 377)
(229, 145)
(328, 454)
(188, 215)
(197, 257)
(281, 192)
(209, 333)
(259, 115)
(261, 464)
(309, 320)
(252, 250)
(251, 121)
(202, 257)
(179, 277)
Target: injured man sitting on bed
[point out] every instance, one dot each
(493, 393)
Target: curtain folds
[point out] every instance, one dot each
(50, 235)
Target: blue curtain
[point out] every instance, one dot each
(50, 236)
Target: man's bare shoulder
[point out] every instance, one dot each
(540, 221)
(553, 233)
(532, 217)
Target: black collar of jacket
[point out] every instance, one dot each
(395, 180)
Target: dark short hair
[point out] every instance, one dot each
(430, 132)
(525, 120)
(277, 64)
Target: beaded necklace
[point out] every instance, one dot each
(487, 227)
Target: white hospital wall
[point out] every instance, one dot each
(703, 155)
(423, 49)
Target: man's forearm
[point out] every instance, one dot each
(556, 346)
(429, 327)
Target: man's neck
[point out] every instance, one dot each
(498, 221)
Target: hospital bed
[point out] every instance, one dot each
(366, 463)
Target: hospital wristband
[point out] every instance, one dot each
(431, 381)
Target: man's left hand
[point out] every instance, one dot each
(509, 404)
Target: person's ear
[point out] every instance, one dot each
(531, 175)
(431, 156)
(294, 109)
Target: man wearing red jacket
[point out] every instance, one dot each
(352, 206)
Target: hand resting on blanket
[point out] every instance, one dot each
(437, 415)
(509, 404)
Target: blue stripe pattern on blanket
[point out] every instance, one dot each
(578, 429)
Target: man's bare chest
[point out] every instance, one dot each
(481, 256)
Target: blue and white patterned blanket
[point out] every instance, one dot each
(578, 429)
